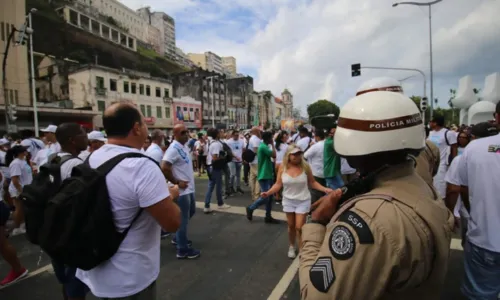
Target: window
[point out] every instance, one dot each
(99, 82)
(11, 93)
(141, 89)
(167, 112)
(167, 93)
(158, 92)
(143, 109)
(16, 97)
(101, 106)
(125, 87)
(148, 110)
(112, 85)
(2, 28)
(158, 112)
(133, 88)
(148, 90)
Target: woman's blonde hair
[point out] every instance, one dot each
(303, 164)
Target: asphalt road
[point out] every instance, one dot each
(239, 260)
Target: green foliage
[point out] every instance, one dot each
(296, 114)
(321, 108)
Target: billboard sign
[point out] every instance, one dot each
(187, 111)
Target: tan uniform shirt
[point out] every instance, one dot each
(428, 162)
(391, 244)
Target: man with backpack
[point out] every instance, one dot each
(134, 184)
(73, 140)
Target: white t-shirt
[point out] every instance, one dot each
(437, 137)
(280, 153)
(453, 178)
(41, 157)
(254, 143)
(54, 148)
(214, 149)
(34, 145)
(68, 166)
(314, 156)
(4, 169)
(198, 146)
(182, 166)
(133, 183)
(345, 168)
(19, 167)
(154, 151)
(84, 154)
(479, 169)
(236, 148)
(303, 143)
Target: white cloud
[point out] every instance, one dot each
(309, 45)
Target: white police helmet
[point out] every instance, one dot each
(379, 121)
(380, 84)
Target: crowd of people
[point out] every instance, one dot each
(421, 183)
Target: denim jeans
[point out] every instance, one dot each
(246, 171)
(334, 182)
(73, 287)
(235, 168)
(215, 182)
(265, 185)
(482, 273)
(188, 208)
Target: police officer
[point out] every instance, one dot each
(392, 242)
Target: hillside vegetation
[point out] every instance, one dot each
(52, 36)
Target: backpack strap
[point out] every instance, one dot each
(349, 204)
(446, 137)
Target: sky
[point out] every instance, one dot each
(308, 46)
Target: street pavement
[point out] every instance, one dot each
(239, 260)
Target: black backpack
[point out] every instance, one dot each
(78, 225)
(228, 151)
(37, 194)
(224, 156)
(248, 155)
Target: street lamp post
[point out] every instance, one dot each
(32, 66)
(429, 5)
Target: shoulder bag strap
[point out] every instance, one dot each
(446, 137)
(349, 204)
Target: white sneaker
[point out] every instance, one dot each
(224, 206)
(291, 252)
(18, 231)
(207, 210)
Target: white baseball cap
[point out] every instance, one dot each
(50, 128)
(4, 142)
(97, 136)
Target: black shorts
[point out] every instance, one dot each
(4, 213)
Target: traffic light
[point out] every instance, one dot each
(22, 36)
(423, 104)
(11, 111)
(356, 70)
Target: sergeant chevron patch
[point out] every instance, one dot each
(322, 275)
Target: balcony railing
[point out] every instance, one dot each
(101, 91)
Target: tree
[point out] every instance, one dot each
(321, 108)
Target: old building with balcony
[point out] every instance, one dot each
(239, 102)
(96, 87)
(89, 19)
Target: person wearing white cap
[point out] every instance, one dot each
(50, 135)
(96, 141)
(33, 144)
(4, 169)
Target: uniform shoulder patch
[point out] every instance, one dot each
(342, 243)
(322, 275)
(364, 232)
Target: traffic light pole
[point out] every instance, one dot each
(33, 86)
(4, 78)
(411, 70)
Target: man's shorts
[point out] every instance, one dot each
(73, 287)
(4, 213)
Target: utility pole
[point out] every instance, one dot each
(4, 79)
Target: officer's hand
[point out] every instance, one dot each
(183, 184)
(324, 209)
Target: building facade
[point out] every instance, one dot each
(83, 17)
(12, 15)
(239, 96)
(208, 61)
(96, 87)
(229, 65)
(287, 98)
(183, 59)
(165, 25)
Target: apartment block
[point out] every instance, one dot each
(208, 61)
(12, 15)
(229, 65)
(99, 87)
(165, 24)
